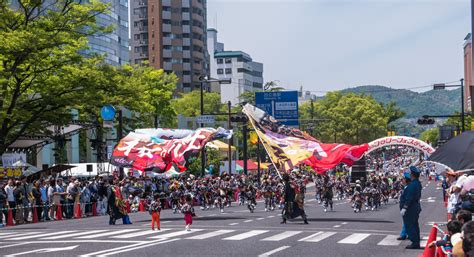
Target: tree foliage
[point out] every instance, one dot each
(46, 70)
(430, 136)
(189, 104)
(212, 158)
(347, 118)
(456, 121)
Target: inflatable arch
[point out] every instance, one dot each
(400, 140)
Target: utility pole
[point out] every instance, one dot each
(244, 135)
(462, 106)
(203, 150)
(229, 124)
(120, 136)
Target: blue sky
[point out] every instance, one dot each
(326, 45)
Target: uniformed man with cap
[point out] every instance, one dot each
(411, 208)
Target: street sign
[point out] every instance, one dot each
(108, 123)
(282, 105)
(107, 112)
(205, 119)
(472, 125)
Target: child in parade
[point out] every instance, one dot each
(188, 212)
(155, 210)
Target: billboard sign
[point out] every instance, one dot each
(282, 105)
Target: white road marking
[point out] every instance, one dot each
(281, 236)
(45, 250)
(317, 237)
(212, 215)
(167, 221)
(142, 233)
(390, 240)
(260, 218)
(18, 234)
(246, 235)
(271, 216)
(233, 224)
(139, 247)
(41, 235)
(12, 245)
(75, 234)
(354, 238)
(274, 251)
(344, 223)
(176, 234)
(336, 226)
(115, 232)
(211, 234)
(247, 221)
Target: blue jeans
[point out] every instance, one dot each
(403, 233)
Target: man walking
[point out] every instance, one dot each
(411, 208)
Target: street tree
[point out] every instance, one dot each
(189, 104)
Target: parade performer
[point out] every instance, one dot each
(155, 210)
(116, 205)
(294, 205)
(188, 212)
(411, 208)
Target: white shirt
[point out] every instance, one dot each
(9, 191)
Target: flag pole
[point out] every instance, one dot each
(260, 138)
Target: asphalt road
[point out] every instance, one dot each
(236, 232)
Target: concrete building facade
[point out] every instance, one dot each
(246, 74)
(171, 35)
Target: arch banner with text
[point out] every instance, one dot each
(401, 140)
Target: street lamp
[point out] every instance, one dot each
(443, 86)
(206, 79)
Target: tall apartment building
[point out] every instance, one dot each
(114, 45)
(171, 35)
(468, 79)
(246, 74)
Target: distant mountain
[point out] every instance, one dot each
(414, 104)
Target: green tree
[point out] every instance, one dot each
(212, 158)
(189, 104)
(393, 112)
(39, 46)
(456, 121)
(347, 118)
(430, 135)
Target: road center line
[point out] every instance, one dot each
(139, 247)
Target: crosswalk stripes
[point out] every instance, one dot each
(282, 236)
(175, 234)
(211, 234)
(354, 238)
(142, 233)
(201, 234)
(115, 232)
(41, 235)
(246, 235)
(75, 234)
(317, 237)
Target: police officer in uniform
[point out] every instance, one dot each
(411, 208)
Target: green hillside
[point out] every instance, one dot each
(414, 104)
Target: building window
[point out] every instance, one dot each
(136, 36)
(166, 8)
(228, 71)
(197, 61)
(220, 61)
(220, 71)
(184, 9)
(166, 21)
(228, 60)
(166, 59)
(186, 60)
(186, 35)
(186, 48)
(185, 22)
(186, 72)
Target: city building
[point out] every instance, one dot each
(115, 45)
(246, 74)
(468, 79)
(171, 35)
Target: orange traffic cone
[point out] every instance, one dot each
(10, 218)
(430, 252)
(59, 213)
(77, 213)
(127, 204)
(35, 215)
(141, 207)
(94, 209)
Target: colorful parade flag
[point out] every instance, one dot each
(160, 149)
(288, 147)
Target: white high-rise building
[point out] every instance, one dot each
(246, 74)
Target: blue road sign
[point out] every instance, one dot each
(282, 105)
(107, 112)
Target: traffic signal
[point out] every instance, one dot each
(239, 118)
(426, 121)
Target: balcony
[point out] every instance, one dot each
(196, 17)
(166, 41)
(187, 16)
(198, 42)
(186, 29)
(167, 28)
(166, 15)
(197, 66)
(197, 54)
(198, 30)
(167, 53)
(143, 28)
